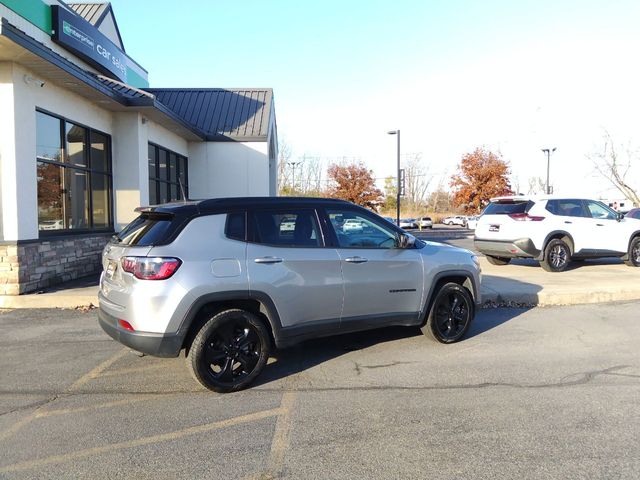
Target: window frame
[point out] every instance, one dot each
(333, 235)
(283, 210)
(160, 182)
(88, 170)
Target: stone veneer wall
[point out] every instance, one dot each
(28, 266)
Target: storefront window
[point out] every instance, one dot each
(168, 176)
(74, 176)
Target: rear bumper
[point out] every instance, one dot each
(156, 344)
(520, 248)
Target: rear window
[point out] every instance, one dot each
(144, 231)
(508, 207)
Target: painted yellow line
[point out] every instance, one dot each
(98, 370)
(126, 371)
(164, 437)
(281, 436)
(88, 408)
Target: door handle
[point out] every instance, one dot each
(567, 222)
(268, 260)
(356, 260)
(600, 224)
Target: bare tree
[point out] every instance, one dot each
(615, 168)
(284, 170)
(417, 179)
(536, 186)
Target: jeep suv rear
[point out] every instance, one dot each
(554, 231)
(224, 279)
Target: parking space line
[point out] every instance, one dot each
(281, 436)
(124, 371)
(95, 372)
(163, 437)
(67, 411)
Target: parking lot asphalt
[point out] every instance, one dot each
(521, 283)
(530, 393)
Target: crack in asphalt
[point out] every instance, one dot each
(37, 405)
(358, 367)
(582, 379)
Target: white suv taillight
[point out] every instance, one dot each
(151, 268)
(523, 217)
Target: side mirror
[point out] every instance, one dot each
(405, 241)
(619, 216)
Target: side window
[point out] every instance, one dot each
(285, 228)
(569, 208)
(359, 230)
(236, 226)
(598, 210)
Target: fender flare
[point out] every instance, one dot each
(554, 234)
(475, 289)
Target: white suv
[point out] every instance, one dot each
(555, 230)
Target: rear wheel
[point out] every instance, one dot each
(557, 256)
(497, 260)
(229, 351)
(451, 314)
(634, 253)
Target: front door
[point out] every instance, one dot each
(382, 283)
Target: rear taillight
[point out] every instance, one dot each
(150, 268)
(523, 217)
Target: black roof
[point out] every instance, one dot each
(220, 205)
(232, 114)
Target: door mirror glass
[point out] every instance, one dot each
(404, 240)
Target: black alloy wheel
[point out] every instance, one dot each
(451, 314)
(557, 256)
(633, 259)
(229, 351)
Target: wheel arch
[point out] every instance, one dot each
(560, 235)
(463, 278)
(632, 237)
(209, 304)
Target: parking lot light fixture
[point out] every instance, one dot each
(548, 153)
(397, 132)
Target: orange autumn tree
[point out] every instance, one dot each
(481, 175)
(354, 183)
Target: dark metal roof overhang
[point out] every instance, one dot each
(16, 46)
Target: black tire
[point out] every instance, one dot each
(633, 259)
(451, 314)
(229, 351)
(497, 260)
(557, 256)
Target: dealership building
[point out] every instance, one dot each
(84, 141)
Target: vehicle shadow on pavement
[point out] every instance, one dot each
(308, 354)
(573, 265)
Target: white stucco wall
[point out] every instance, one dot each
(228, 169)
(18, 121)
(167, 139)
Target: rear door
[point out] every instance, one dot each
(287, 260)
(381, 282)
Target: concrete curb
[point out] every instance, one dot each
(520, 284)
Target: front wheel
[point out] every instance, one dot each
(556, 256)
(451, 314)
(229, 351)
(634, 253)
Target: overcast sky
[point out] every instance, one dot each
(514, 76)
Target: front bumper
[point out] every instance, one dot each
(520, 248)
(156, 344)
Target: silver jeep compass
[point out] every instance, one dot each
(225, 279)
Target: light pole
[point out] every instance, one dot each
(293, 176)
(397, 132)
(548, 152)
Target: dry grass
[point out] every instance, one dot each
(412, 213)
